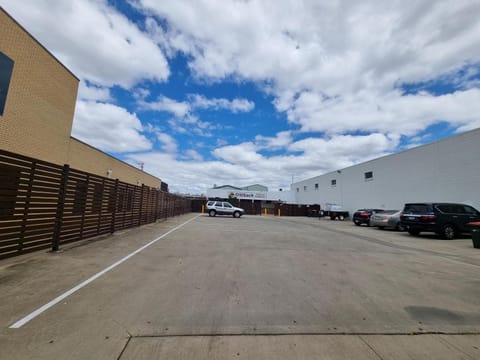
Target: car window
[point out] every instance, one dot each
(210, 203)
(227, 205)
(218, 204)
(417, 209)
(470, 210)
(458, 209)
(445, 208)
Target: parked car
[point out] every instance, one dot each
(223, 208)
(448, 220)
(387, 219)
(362, 216)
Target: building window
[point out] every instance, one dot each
(9, 181)
(333, 182)
(305, 188)
(368, 175)
(164, 186)
(316, 187)
(6, 69)
(298, 189)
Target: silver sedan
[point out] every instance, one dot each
(387, 219)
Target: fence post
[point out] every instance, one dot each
(141, 205)
(155, 196)
(114, 207)
(60, 207)
(27, 206)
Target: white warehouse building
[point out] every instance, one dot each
(444, 171)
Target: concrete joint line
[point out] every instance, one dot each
(305, 334)
(66, 294)
(124, 348)
(370, 347)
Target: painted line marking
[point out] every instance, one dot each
(66, 294)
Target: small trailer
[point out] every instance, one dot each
(335, 212)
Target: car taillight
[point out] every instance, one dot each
(427, 217)
(364, 214)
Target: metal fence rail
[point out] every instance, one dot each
(43, 205)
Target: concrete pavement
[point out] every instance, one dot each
(248, 288)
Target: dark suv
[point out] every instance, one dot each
(362, 216)
(445, 219)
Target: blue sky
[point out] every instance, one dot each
(240, 92)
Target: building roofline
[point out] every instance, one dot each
(38, 42)
(113, 157)
(230, 186)
(393, 154)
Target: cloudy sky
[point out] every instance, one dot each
(238, 92)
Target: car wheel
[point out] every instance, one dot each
(356, 223)
(448, 232)
(414, 232)
(237, 214)
(212, 213)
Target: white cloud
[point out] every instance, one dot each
(324, 43)
(163, 103)
(281, 140)
(93, 39)
(333, 60)
(108, 127)
(193, 155)
(388, 112)
(195, 101)
(235, 106)
(92, 92)
(169, 143)
(184, 119)
(243, 154)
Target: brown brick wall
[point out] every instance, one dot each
(84, 157)
(41, 98)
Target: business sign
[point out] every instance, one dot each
(253, 195)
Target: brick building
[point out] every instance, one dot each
(37, 104)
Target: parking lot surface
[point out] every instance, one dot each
(251, 288)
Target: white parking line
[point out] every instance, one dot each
(55, 301)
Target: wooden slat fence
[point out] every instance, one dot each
(43, 205)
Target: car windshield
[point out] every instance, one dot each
(417, 209)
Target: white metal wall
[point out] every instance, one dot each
(447, 170)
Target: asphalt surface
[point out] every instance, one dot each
(248, 288)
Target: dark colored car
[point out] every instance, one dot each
(448, 220)
(362, 216)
